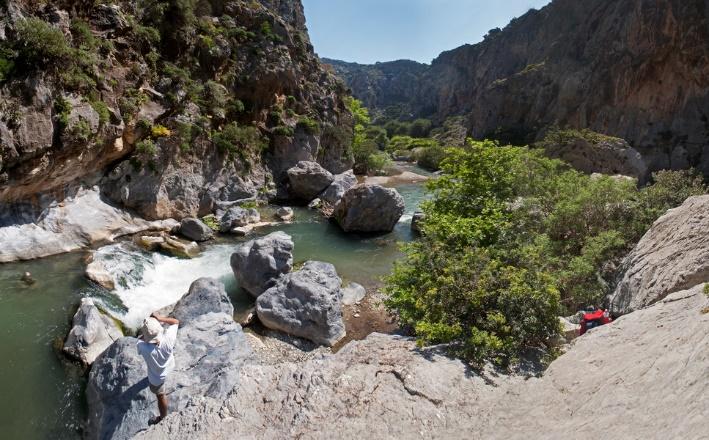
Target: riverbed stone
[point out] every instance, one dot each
(258, 263)
(353, 293)
(339, 186)
(237, 217)
(195, 229)
(285, 214)
(306, 303)
(369, 208)
(210, 351)
(91, 334)
(97, 272)
(308, 179)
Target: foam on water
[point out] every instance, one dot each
(149, 281)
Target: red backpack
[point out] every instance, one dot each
(594, 319)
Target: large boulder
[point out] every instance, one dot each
(258, 263)
(306, 303)
(339, 186)
(210, 351)
(97, 272)
(237, 217)
(369, 208)
(308, 179)
(195, 229)
(92, 333)
(591, 152)
(673, 255)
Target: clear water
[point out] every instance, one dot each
(42, 393)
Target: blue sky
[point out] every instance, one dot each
(366, 31)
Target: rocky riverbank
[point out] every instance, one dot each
(621, 376)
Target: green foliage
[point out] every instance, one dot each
(378, 135)
(80, 132)
(431, 157)
(557, 136)
(311, 126)
(147, 148)
(239, 140)
(706, 289)
(62, 108)
(158, 131)
(283, 130)
(420, 128)
(39, 43)
(129, 104)
(267, 32)
(185, 133)
(7, 64)
(102, 109)
(511, 240)
(212, 222)
(378, 163)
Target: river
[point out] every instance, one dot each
(43, 393)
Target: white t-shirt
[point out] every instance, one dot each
(159, 358)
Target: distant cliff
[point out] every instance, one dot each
(635, 69)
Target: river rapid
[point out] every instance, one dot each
(43, 393)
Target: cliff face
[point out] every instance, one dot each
(635, 69)
(170, 107)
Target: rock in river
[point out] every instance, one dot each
(257, 263)
(195, 229)
(339, 186)
(308, 179)
(210, 351)
(369, 208)
(237, 217)
(306, 303)
(92, 333)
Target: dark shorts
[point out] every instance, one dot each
(158, 390)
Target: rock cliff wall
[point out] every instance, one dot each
(171, 107)
(634, 69)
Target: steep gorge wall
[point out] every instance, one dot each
(635, 69)
(236, 84)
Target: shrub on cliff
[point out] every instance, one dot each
(512, 239)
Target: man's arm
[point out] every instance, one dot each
(165, 320)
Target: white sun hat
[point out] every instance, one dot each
(151, 330)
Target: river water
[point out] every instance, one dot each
(42, 394)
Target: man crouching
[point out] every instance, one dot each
(156, 347)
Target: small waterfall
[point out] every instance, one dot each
(146, 282)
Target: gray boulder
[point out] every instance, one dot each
(369, 208)
(206, 295)
(209, 354)
(672, 256)
(257, 263)
(237, 217)
(339, 186)
(195, 229)
(308, 179)
(92, 333)
(306, 303)
(285, 214)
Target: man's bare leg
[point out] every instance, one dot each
(162, 405)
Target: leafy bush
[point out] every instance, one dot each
(431, 157)
(283, 130)
(147, 148)
(378, 163)
(511, 240)
(185, 133)
(158, 131)
(238, 140)
(39, 43)
(311, 126)
(101, 108)
(80, 132)
(420, 128)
